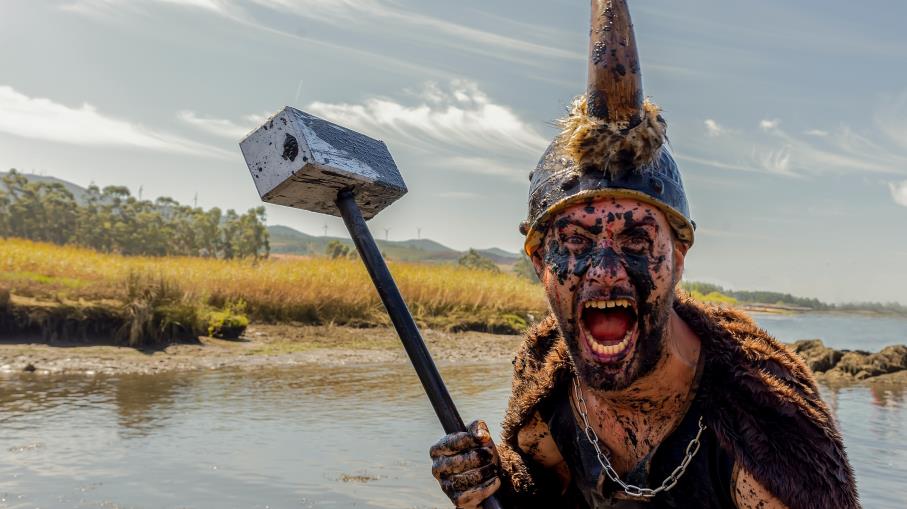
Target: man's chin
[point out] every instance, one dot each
(606, 367)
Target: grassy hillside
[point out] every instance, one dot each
(78, 192)
(308, 290)
(286, 240)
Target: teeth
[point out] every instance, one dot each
(603, 304)
(610, 349)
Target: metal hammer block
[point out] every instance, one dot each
(301, 161)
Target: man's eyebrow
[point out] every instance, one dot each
(565, 222)
(633, 224)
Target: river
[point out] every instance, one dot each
(299, 437)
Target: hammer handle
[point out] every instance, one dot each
(403, 320)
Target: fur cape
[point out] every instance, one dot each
(760, 401)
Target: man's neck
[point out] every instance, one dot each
(633, 421)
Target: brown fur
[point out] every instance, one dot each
(593, 141)
(761, 402)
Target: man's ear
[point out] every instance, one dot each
(538, 263)
(680, 254)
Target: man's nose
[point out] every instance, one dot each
(607, 268)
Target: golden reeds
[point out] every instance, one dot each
(310, 290)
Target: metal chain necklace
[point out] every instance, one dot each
(629, 489)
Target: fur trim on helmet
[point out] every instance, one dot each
(591, 141)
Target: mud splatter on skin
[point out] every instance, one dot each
(617, 250)
(749, 494)
(465, 463)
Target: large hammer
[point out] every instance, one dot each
(302, 161)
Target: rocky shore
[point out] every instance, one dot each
(845, 366)
(287, 345)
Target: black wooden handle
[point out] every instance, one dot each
(403, 320)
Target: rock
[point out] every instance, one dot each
(29, 368)
(818, 357)
(861, 365)
(846, 365)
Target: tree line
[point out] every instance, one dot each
(778, 298)
(112, 220)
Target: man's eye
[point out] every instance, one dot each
(637, 244)
(577, 241)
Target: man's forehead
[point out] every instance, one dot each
(612, 210)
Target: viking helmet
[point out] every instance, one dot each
(613, 142)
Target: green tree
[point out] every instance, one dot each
(112, 220)
(336, 249)
(473, 260)
(524, 268)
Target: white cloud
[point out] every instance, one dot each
(817, 132)
(223, 127)
(461, 118)
(769, 124)
(511, 169)
(712, 128)
(899, 192)
(44, 119)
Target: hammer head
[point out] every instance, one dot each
(302, 161)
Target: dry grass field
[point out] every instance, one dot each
(306, 290)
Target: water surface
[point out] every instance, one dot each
(296, 437)
(854, 332)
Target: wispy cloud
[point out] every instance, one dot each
(222, 127)
(361, 16)
(512, 168)
(438, 124)
(772, 149)
(111, 7)
(775, 161)
(364, 13)
(899, 192)
(44, 119)
(461, 117)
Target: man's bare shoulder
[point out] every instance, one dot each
(748, 493)
(535, 441)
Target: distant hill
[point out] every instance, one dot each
(287, 240)
(78, 192)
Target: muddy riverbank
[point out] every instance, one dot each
(289, 345)
(261, 346)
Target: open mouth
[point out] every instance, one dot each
(608, 328)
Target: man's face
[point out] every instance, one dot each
(609, 267)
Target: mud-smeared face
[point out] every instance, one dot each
(609, 268)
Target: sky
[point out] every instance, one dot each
(788, 119)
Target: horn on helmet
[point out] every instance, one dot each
(614, 92)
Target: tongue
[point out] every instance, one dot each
(607, 326)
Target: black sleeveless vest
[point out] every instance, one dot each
(706, 484)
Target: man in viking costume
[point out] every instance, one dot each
(631, 395)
